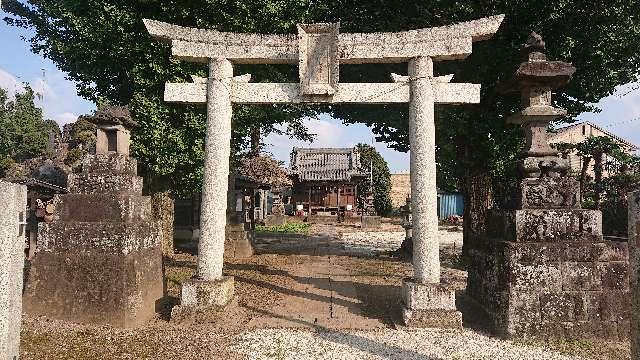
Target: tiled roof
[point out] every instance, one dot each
(325, 164)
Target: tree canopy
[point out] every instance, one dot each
(372, 161)
(103, 46)
(25, 132)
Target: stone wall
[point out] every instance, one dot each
(542, 271)
(634, 243)
(13, 210)
(400, 188)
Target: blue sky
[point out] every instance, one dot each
(620, 112)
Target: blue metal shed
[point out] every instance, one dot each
(450, 204)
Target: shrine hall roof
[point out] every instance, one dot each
(326, 164)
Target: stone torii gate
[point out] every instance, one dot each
(319, 49)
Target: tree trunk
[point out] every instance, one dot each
(597, 170)
(583, 174)
(478, 200)
(255, 141)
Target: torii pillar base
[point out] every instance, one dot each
(429, 306)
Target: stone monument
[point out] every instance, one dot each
(543, 268)
(100, 260)
(319, 49)
(12, 241)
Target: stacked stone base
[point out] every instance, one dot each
(429, 306)
(550, 273)
(100, 260)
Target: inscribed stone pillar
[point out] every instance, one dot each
(14, 200)
(215, 182)
(634, 266)
(426, 261)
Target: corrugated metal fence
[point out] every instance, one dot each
(450, 204)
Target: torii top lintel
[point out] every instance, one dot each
(440, 43)
(318, 49)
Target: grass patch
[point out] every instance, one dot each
(288, 228)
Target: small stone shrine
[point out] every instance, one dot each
(100, 260)
(543, 268)
(12, 241)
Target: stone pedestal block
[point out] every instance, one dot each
(238, 242)
(549, 272)
(13, 211)
(429, 305)
(100, 260)
(370, 222)
(198, 293)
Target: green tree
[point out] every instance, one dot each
(25, 132)
(372, 161)
(103, 46)
(594, 148)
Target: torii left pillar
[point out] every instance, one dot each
(426, 301)
(210, 288)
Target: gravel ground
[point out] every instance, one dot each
(385, 344)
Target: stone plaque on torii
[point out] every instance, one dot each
(319, 49)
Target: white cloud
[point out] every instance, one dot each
(10, 83)
(65, 118)
(55, 94)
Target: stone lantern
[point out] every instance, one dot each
(544, 268)
(535, 79)
(112, 133)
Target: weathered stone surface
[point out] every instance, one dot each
(369, 222)
(92, 286)
(441, 43)
(441, 319)
(163, 211)
(104, 183)
(426, 260)
(13, 210)
(100, 260)
(238, 243)
(318, 54)
(417, 296)
(550, 193)
(429, 305)
(197, 294)
(289, 93)
(102, 207)
(555, 225)
(215, 182)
